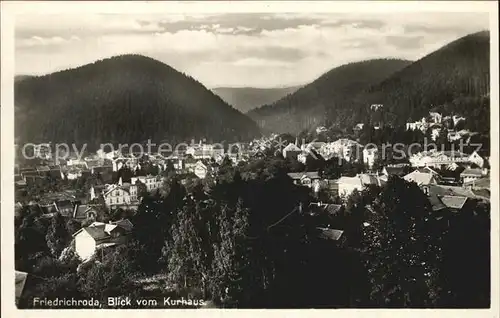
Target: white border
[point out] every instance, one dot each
(11, 8)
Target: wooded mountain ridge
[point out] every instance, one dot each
(124, 99)
(454, 77)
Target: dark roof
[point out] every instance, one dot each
(30, 173)
(482, 193)
(427, 170)
(42, 169)
(81, 210)
(442, 190)
(21, 183)
(472, 172)
(436, 203)
(93, 163)
(125, 224)
(330, 234)
(102, 169)
(299, 175)
(48, 208)
(482, 183)
(398, 171)
(332, 209)
(97, 232)
(27, 169)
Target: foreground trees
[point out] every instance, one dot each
(246, 240)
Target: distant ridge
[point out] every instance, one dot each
(247, 98)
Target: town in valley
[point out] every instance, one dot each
(367, 186)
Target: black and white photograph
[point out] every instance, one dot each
(251, 156)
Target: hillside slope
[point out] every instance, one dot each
(454, 78)
(124, 99)
(247, 98)
(457, 71)
(309, 105)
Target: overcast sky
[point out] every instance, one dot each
(258, 50)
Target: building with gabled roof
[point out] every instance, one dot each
(454, 202)
(421, 178)
(395, 170)
(335, 236)
(291, 151)
(478, 184)
(308, 179)
(84, 212)
(347, 185)
(121, 196)
(469, 175)
(100, 235)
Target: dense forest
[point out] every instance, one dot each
(123, 99)
(308, 106)
(247, 98)
(449, 78)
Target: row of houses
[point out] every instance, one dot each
(451, 159)
(346, 149)
(473, 179)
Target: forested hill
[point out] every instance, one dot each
(19, 78)
(447, 79)
(247, 98)
(453, 79)
(124, 99)
(332, 91)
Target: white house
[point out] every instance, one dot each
(457, 119)
(358, 127)
(419, 124)
(42, 151)
(476, 159)
(321, 129)
(436, 117)
(421, 178)
(435, 158)
(435, 132)
(307, 179)
(346, 149)
(200, 170)
(291, 151)
(370, 155)
(347, 185)
(121, 196)
(302, 157)
(73, 173)
(76, 162)
(469, 175)
(100, 235)
(152, 183)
